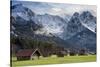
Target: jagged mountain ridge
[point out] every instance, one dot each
(74, 26)
(77, 23)
(22, 11)
(88, 20)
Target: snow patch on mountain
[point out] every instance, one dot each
(90, 26)
(51, 24)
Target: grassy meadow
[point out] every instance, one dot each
(54, 60)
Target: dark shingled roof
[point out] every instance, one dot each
(25, 52)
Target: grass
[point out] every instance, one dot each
(54, 60)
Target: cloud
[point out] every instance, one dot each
(80, 8)
(55, 11)
(58, 8)
(71, 8)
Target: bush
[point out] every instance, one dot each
(72, 53)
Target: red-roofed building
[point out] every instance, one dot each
(27, 54)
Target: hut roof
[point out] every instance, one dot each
(26, 52)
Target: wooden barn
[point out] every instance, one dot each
(28, 54)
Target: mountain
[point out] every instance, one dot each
(52, 25)
(25, 25)
(88, 20)
(23, 12)
(21, 20)
(84, 39)
(77, 32)
(74, 26)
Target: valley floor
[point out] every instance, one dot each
(54, 60)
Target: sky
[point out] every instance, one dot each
(56, 8)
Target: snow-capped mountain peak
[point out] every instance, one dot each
(88, 20)
(20, 10)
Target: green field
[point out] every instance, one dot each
(54, 60)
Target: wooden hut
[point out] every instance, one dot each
(27, 54)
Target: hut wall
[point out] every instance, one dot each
(23, 58)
